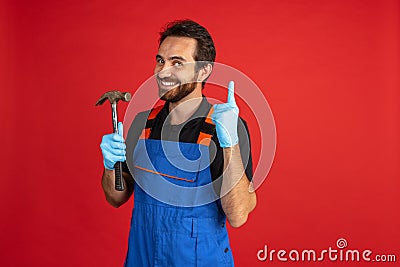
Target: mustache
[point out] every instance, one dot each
(169, 79)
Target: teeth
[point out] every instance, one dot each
(168, 83)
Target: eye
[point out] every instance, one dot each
(178, 64)
(160, 60)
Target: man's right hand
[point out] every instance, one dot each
(113, 148)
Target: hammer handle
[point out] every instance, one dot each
(119, 183)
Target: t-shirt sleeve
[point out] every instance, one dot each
(245, 148)
(217, 165)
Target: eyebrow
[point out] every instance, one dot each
(172, 58)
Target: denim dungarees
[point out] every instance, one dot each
(169, 227)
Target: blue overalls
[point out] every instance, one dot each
(170, 224)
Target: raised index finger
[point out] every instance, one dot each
(231, 92)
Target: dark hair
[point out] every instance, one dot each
(205, 49)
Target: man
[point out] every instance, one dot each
(176, 220)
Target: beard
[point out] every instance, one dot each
(177, 93)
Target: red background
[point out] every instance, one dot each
(330, 72)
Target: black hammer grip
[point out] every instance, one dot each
(119, 183)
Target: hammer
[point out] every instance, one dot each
(114, 97)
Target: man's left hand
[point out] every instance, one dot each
(225, 117)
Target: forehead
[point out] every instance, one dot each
(178, 46)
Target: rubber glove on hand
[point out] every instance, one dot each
(113, 148)
(225, 117)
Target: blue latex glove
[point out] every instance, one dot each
(113, 148)
(225, 117)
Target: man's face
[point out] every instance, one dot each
(175, 68)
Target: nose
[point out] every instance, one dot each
(164, 72)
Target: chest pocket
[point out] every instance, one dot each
(179, 163)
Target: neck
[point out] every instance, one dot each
(181, 111)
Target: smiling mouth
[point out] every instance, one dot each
(167, 85)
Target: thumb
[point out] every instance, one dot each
(120, 129)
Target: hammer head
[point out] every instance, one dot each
(114, 97)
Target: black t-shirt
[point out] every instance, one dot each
(188, 132)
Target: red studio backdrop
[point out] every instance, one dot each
(329, 70)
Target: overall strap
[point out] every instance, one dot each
(150, 122)
(207, 130)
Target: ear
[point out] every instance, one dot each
(204, 72)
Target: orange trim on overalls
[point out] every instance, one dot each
(204, 138)
(153, 114)
(145, 134)
(163, 174)
(208, 119)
